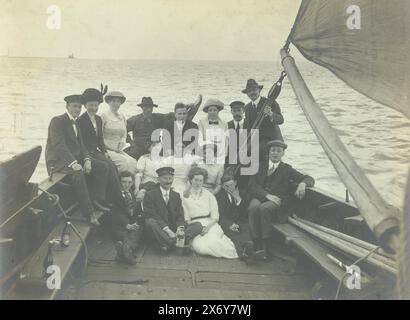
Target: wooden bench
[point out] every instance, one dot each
(318, 254)
(32, 283)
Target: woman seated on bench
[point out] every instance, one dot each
(271, 189)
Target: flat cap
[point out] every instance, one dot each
(276, 143)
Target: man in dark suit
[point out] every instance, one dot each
(125, 222)
(164, 213)
(236, 125)
(271, 190)
(66, 153)
(232, 216)
(180, 126)
(91, 131)
(269, 128)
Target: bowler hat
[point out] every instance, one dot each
(92, 94)
(213, 103)
(165, 170)
(73, 98)
(276, 143)
(114, 94)
(237, 103)
(147, 102)
(251, 84)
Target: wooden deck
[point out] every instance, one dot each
(168, 276)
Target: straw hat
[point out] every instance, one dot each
(114, 94)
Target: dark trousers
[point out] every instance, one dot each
(261, 215)
(162, 239)
(137, 150)
(78, 181)
(130, 238)
(110, 188)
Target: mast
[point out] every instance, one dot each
(382, 218)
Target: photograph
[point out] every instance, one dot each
(205, 154)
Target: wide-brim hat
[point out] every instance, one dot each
(147, 102)
(251, 84)
(165, 170)
(213, 103)
(276, 143)
(74, 98)
(92, 94)
(115, 94)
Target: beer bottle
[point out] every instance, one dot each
(49, 259)
(65, 235)
(180, 243)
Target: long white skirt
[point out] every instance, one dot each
(214, 243)
(123, 161)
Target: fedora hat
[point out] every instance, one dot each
(92, 94)
(251, 84)
(147, 102)
(114, 94)
(213, 103)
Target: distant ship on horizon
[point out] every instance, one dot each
(71, 56)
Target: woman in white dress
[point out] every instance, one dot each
(147, 166)
(210, 164)
(212, 129)
(115, 133)
(201, 206)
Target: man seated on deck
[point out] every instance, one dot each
(271, 189)
(91, 131)
(232, 217)
(66, 153)
(269, 127)
(125, 222)
(164, 213)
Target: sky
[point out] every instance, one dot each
(148, 29)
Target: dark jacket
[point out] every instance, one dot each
(281, 183)
(172, 128)
(93, 141)
(229, 212)
(171, 215)
(63, 146)
(124, 212)
(268, 130)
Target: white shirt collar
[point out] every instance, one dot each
(256, 102)
(164, 192)
(240, 123)
(272, 164)
(71, 117)
(180, 123)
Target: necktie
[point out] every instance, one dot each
(213, 122)
(166, 197)
(74, 127)
(271, 170)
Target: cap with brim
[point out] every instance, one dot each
(74, 98)
(147, 102)
(237, 103)
(92, 94)
(276, 143)
(165, 170)
(114, 94)
(213, 103)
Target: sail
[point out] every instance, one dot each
(366, 43)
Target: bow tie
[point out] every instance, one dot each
(213, 122)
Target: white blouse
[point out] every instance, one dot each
(202, 205)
